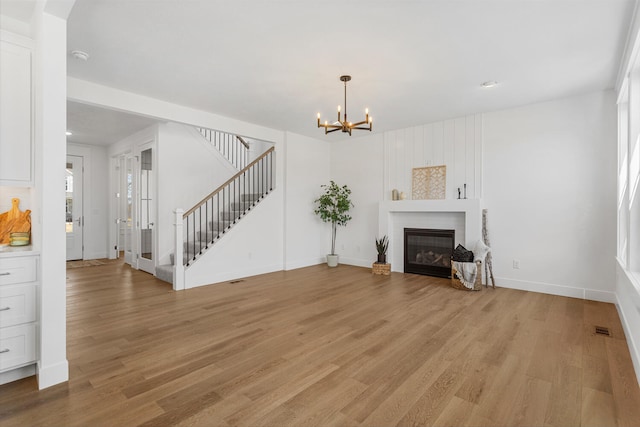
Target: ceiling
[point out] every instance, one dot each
(278, 63)
(100, 126)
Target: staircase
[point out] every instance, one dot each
(208, 221)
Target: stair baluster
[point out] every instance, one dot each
(233, 147)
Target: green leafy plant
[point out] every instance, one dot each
(333, 206)
(382, 245)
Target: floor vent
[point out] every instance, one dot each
(601, 330)
(238, 281)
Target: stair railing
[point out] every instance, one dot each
(233, 147)
(208, 220)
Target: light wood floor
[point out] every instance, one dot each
(324, 347)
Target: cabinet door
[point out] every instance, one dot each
(15, 115)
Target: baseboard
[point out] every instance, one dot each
(234, 275)
(602, 296)
(628, 305)
(304, 263)
(95, 255)
(17, 374)
(53, 374)
(552, 289)
(356, 261)
(634, 351)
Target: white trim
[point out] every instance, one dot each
(634, 351)
(304, 263)
(631, 46)
(17, 374)
(555, 289)
(226, 277)
(628, 305)
(18, 39)
(52, 375)
(366, 263)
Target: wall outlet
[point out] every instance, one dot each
(516, 264)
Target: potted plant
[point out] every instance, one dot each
(381, 246)
(333, 206)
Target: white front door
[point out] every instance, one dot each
(74, 214)
(146, 200)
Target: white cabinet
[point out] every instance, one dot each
(18, 287)
(16, 138)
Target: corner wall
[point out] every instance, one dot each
(358, 162)
(306, 163)
(549, 175)
(50, 69)
(548, 181)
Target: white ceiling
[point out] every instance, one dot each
(18, 9)
(99, 126)
(277, 63)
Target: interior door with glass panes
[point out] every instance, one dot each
(74, 222)
(126, 208)
(146, 209)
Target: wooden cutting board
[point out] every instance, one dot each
(14, 220)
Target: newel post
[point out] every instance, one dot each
(178, 268)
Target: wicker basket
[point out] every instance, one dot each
(379, 268)
(477, 286)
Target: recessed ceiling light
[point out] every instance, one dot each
(69, 133)
(78, 54)
(490, 83)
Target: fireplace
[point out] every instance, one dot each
(428, 251)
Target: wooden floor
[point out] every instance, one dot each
(329, 347)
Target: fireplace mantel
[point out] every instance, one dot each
(390, 211)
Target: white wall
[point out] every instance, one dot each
(306, 163)
(358, 162)
(455, 143)
(49, 236)
(549, 187)
(95, 198)
(253, 246)
(256, 148)
(22, 193)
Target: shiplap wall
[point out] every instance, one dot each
(456, 143)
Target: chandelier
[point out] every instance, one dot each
(345, 125)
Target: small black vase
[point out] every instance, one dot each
(382, 258)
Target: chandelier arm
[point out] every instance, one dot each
(332, 126)
(333, 130)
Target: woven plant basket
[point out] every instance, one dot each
(455, 283)
(382, 269)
